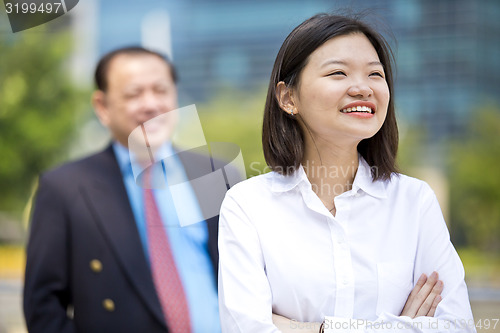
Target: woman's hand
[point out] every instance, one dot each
(424, 298)
(422, 301)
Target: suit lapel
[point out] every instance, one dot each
(107, 198)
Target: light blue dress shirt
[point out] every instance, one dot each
(189, 244)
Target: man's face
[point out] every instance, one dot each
(139, 88)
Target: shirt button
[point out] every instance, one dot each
(108, 304)
(345, 282)
(95, 266)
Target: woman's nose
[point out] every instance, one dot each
(360, 89)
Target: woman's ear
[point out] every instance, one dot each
(284, 95)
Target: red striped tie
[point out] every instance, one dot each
(166, 278)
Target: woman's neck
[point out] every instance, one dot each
(331, 170)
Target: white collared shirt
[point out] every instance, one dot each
(281, 251)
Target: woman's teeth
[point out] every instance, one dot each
(365, 109)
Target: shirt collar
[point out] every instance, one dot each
(122, 157)
(127, 162)
(284, 183)
(363, 180)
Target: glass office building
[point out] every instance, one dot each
(448, 51)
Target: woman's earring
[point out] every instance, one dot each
(291, 112)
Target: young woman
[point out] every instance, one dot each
(334, 233)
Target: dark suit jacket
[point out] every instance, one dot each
(82, 214)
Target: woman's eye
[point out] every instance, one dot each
(337, 73)
(377, 74)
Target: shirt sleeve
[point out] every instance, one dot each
(245, 298)
(435, 253)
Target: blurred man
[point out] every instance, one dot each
(107, 255)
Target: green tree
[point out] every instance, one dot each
(475, 182)
(236, 117)
(38, 109)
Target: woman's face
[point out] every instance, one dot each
(342, 95)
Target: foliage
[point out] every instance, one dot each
(411, 147)
(482, 268)
(472, 177)
(237, 118)
(38, 108)
(475, 182)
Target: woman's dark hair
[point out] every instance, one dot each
(282, 136)
(101, 72)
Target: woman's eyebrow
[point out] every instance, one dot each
(341, 62)
(334, 62)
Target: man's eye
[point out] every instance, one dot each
(131, 94)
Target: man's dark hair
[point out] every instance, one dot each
(101, 71)
(282, 136)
